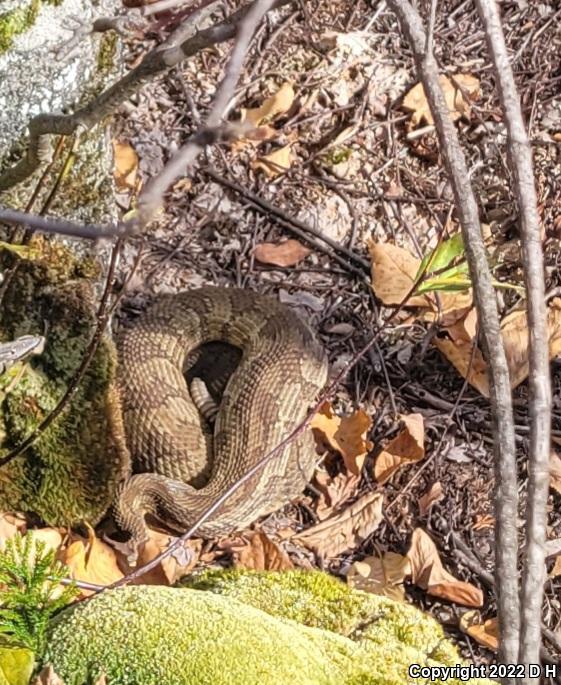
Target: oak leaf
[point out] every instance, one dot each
(429, 574)
(415, 100)
(346, 529)
(484, 632)
(275, 163)
(333, 491)
(126, 166)
(406, 448)
(173, 566)
(288, 253)
(383, 575)
(262, 554)
(279, 103)
(345, 434)
(393, 274)
(433, 494)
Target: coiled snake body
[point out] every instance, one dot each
(184, 467)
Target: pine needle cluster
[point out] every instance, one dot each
(31, 592)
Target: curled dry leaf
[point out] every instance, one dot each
(275, 163)
(383, 575)
(10, 524)
(514, 332)
(345, 434)
(333, 491)
(346, 529)
(555, 472)
(47, 676)
(262, 554)
(126, 166)
(486, 633)
(415, 100)
(174, 566)
(429, 574)
(433, 494)
(289, 253)
(406, 448)
(279, 103)
(91, 561)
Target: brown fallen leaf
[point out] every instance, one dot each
(459, 355)
(415, 100)
(486, 633)
(90, 560)
(279, 103)
(345, 434)
(289, 253)
(346, 529)
(333, 491)
(433, 494)
(126, 166)
(429, 574)
(170, 569)
(393, 274)
(406, 448)
(556, 570)
(275, 163)
(262, 554)
(47, 676)
(555, 472)
(383, 575)
(465, 329)
(483, 522)
(514, 331)
(10, 524)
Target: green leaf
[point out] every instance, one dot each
(442, 255)
(452, 280)
(16, 665)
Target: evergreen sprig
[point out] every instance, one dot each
(31, 593)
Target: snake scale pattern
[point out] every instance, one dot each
(180, 465)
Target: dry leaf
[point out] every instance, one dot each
(464, 329)
(91, 561)
(556, 570)
(126, 166)
(434, 493)
(416, 102)
(10, 524)
(393, 274)
(345, 434)
(275, 163)
(279, 103)
(487, 633)
(428, 573)
(555, 472)
(345, 530)
(47, 676)
(459, 355)
(381, 575)
(174, 566)
(262, 554)
(514, 331)
(406, 448)
(482, 522)
(288, 253)
(50, 537)
(333, 491)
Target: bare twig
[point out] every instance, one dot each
(500, 394)
(540, 386)
(299, 228)
(61, 226)
(152, 196)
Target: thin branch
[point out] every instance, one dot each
(506, 496)
(152, 196)
(61, 226)
(520, 156)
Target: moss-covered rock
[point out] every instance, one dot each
(267, 628)
(71, 472)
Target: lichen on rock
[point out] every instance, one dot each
(243, 628)
(71, 472)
